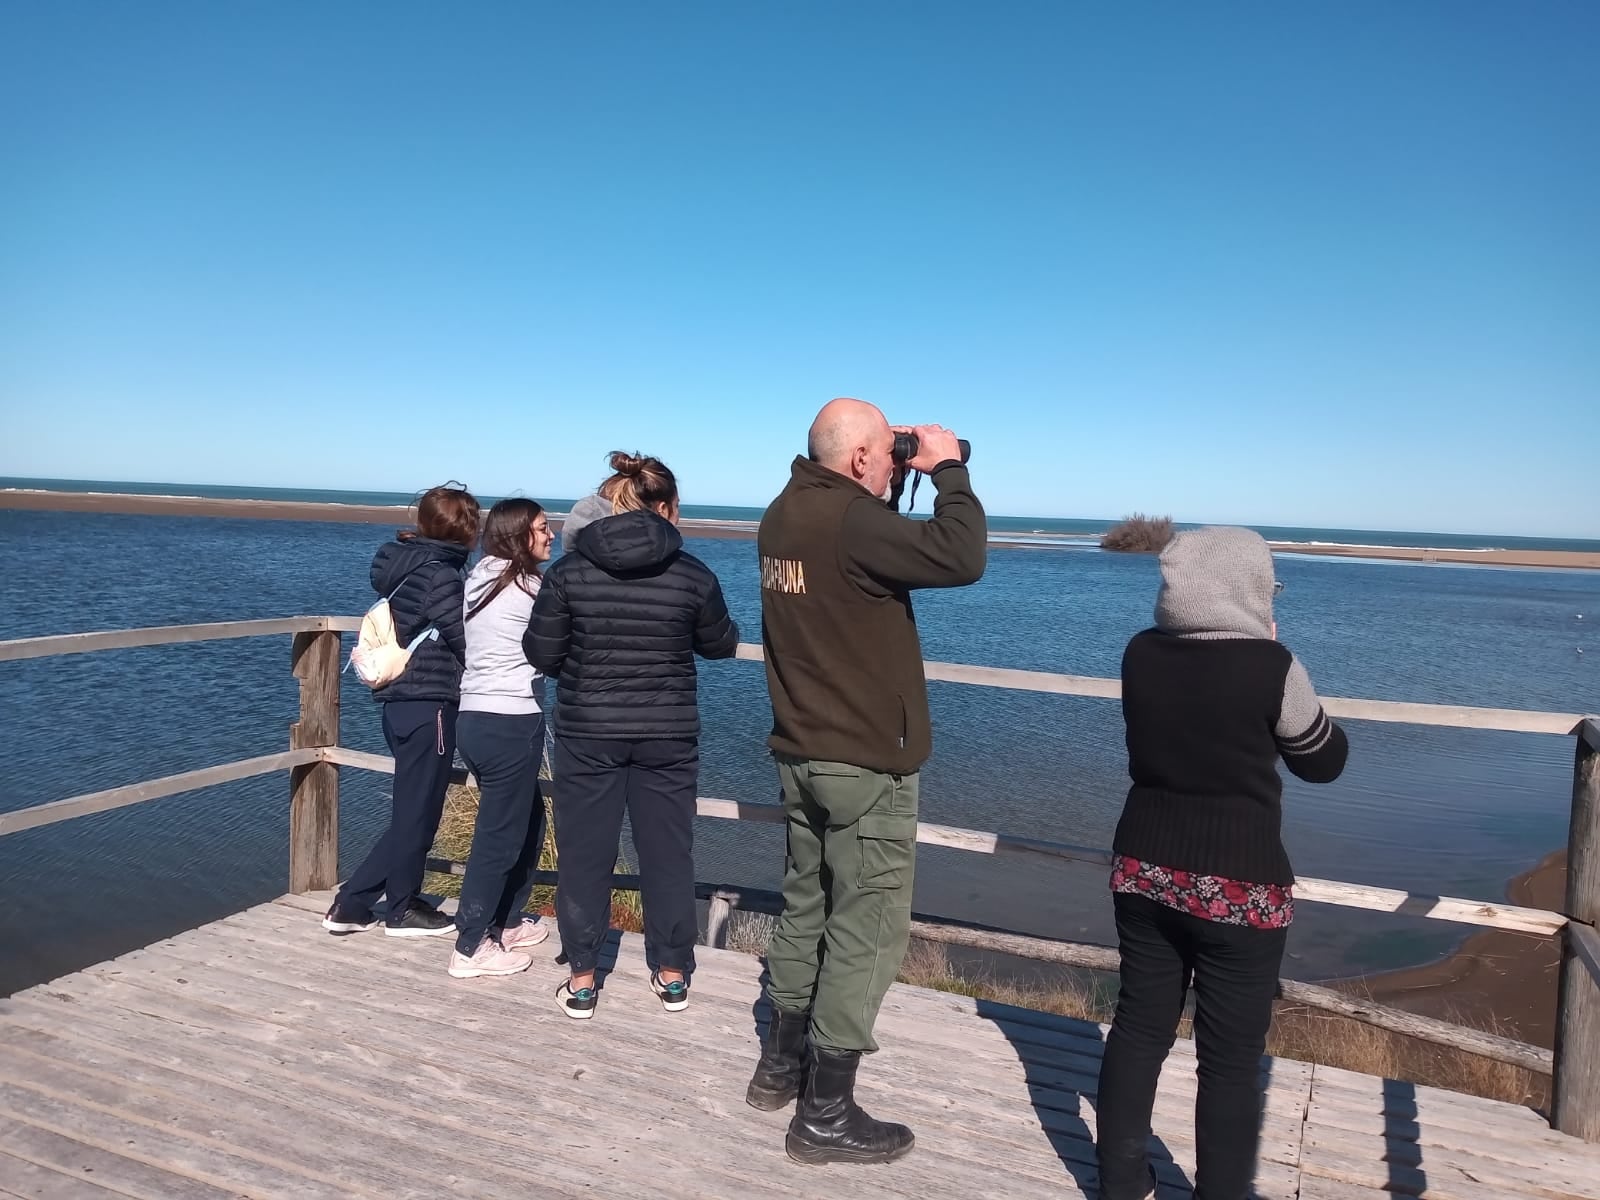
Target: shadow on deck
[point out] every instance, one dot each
(258, 1056)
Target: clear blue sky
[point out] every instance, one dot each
(1331, 264)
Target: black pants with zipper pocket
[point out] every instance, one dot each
(422, 737)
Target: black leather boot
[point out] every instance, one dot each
(782, 1066)
(829, 1126)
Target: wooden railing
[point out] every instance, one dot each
(315, 756)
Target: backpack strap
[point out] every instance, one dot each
(430, 634)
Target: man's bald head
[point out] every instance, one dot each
(853, 439)
(841, 428)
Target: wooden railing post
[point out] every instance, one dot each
(1575, 1106)
(719, 913)
(314, 788)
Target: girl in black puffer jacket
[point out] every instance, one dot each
(618, 622)
(420, 573)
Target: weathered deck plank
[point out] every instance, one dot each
(23, 1180)
(259, 1057)
(80, 1164)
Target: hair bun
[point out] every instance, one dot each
(624, 463)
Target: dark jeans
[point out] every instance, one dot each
(422, 737)
(1234, 972)
(596, 780)
(503, 752)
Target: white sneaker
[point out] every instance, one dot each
(520, 937)
(489, 959)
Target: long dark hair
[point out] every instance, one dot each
(505, 535)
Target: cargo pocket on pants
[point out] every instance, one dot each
(888, 849)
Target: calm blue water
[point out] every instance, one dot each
(1057, 527)
(1431, 810)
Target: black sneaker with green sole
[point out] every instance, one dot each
(580, 1004)
(674, 995)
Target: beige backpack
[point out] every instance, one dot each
(378, 657)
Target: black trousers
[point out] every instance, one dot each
(503, 751)
(654, 782)
(422, 737)
(1234, 972)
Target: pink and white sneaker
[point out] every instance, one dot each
(520, 937)
(488, 959)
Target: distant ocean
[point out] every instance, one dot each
(1053, 527)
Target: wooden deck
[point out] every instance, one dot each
(258, 1056)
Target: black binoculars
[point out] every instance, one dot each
(906, 446)
(905, 449)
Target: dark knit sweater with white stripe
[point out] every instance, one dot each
(1207, 720)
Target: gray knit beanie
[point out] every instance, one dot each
(1216, 582)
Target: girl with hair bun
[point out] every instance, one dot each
(619, 622)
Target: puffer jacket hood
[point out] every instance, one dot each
(619, 623)
(630, 543)
(399, 558)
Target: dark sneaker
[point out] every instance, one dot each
(421, 920)
(674, 995)
(579, 1005)
(343, 920)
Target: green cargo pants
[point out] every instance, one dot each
(846, 896)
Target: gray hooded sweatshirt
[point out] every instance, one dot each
(499, 678)
(1217, 584)
(584, 512)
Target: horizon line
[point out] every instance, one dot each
(414, 494)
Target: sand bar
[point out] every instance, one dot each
(1497, 980)
(270, 510)
(375, 514)
(1482, 558)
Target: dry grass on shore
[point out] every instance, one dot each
(454, 841)
(1312, 1036)
(1299, 1033)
